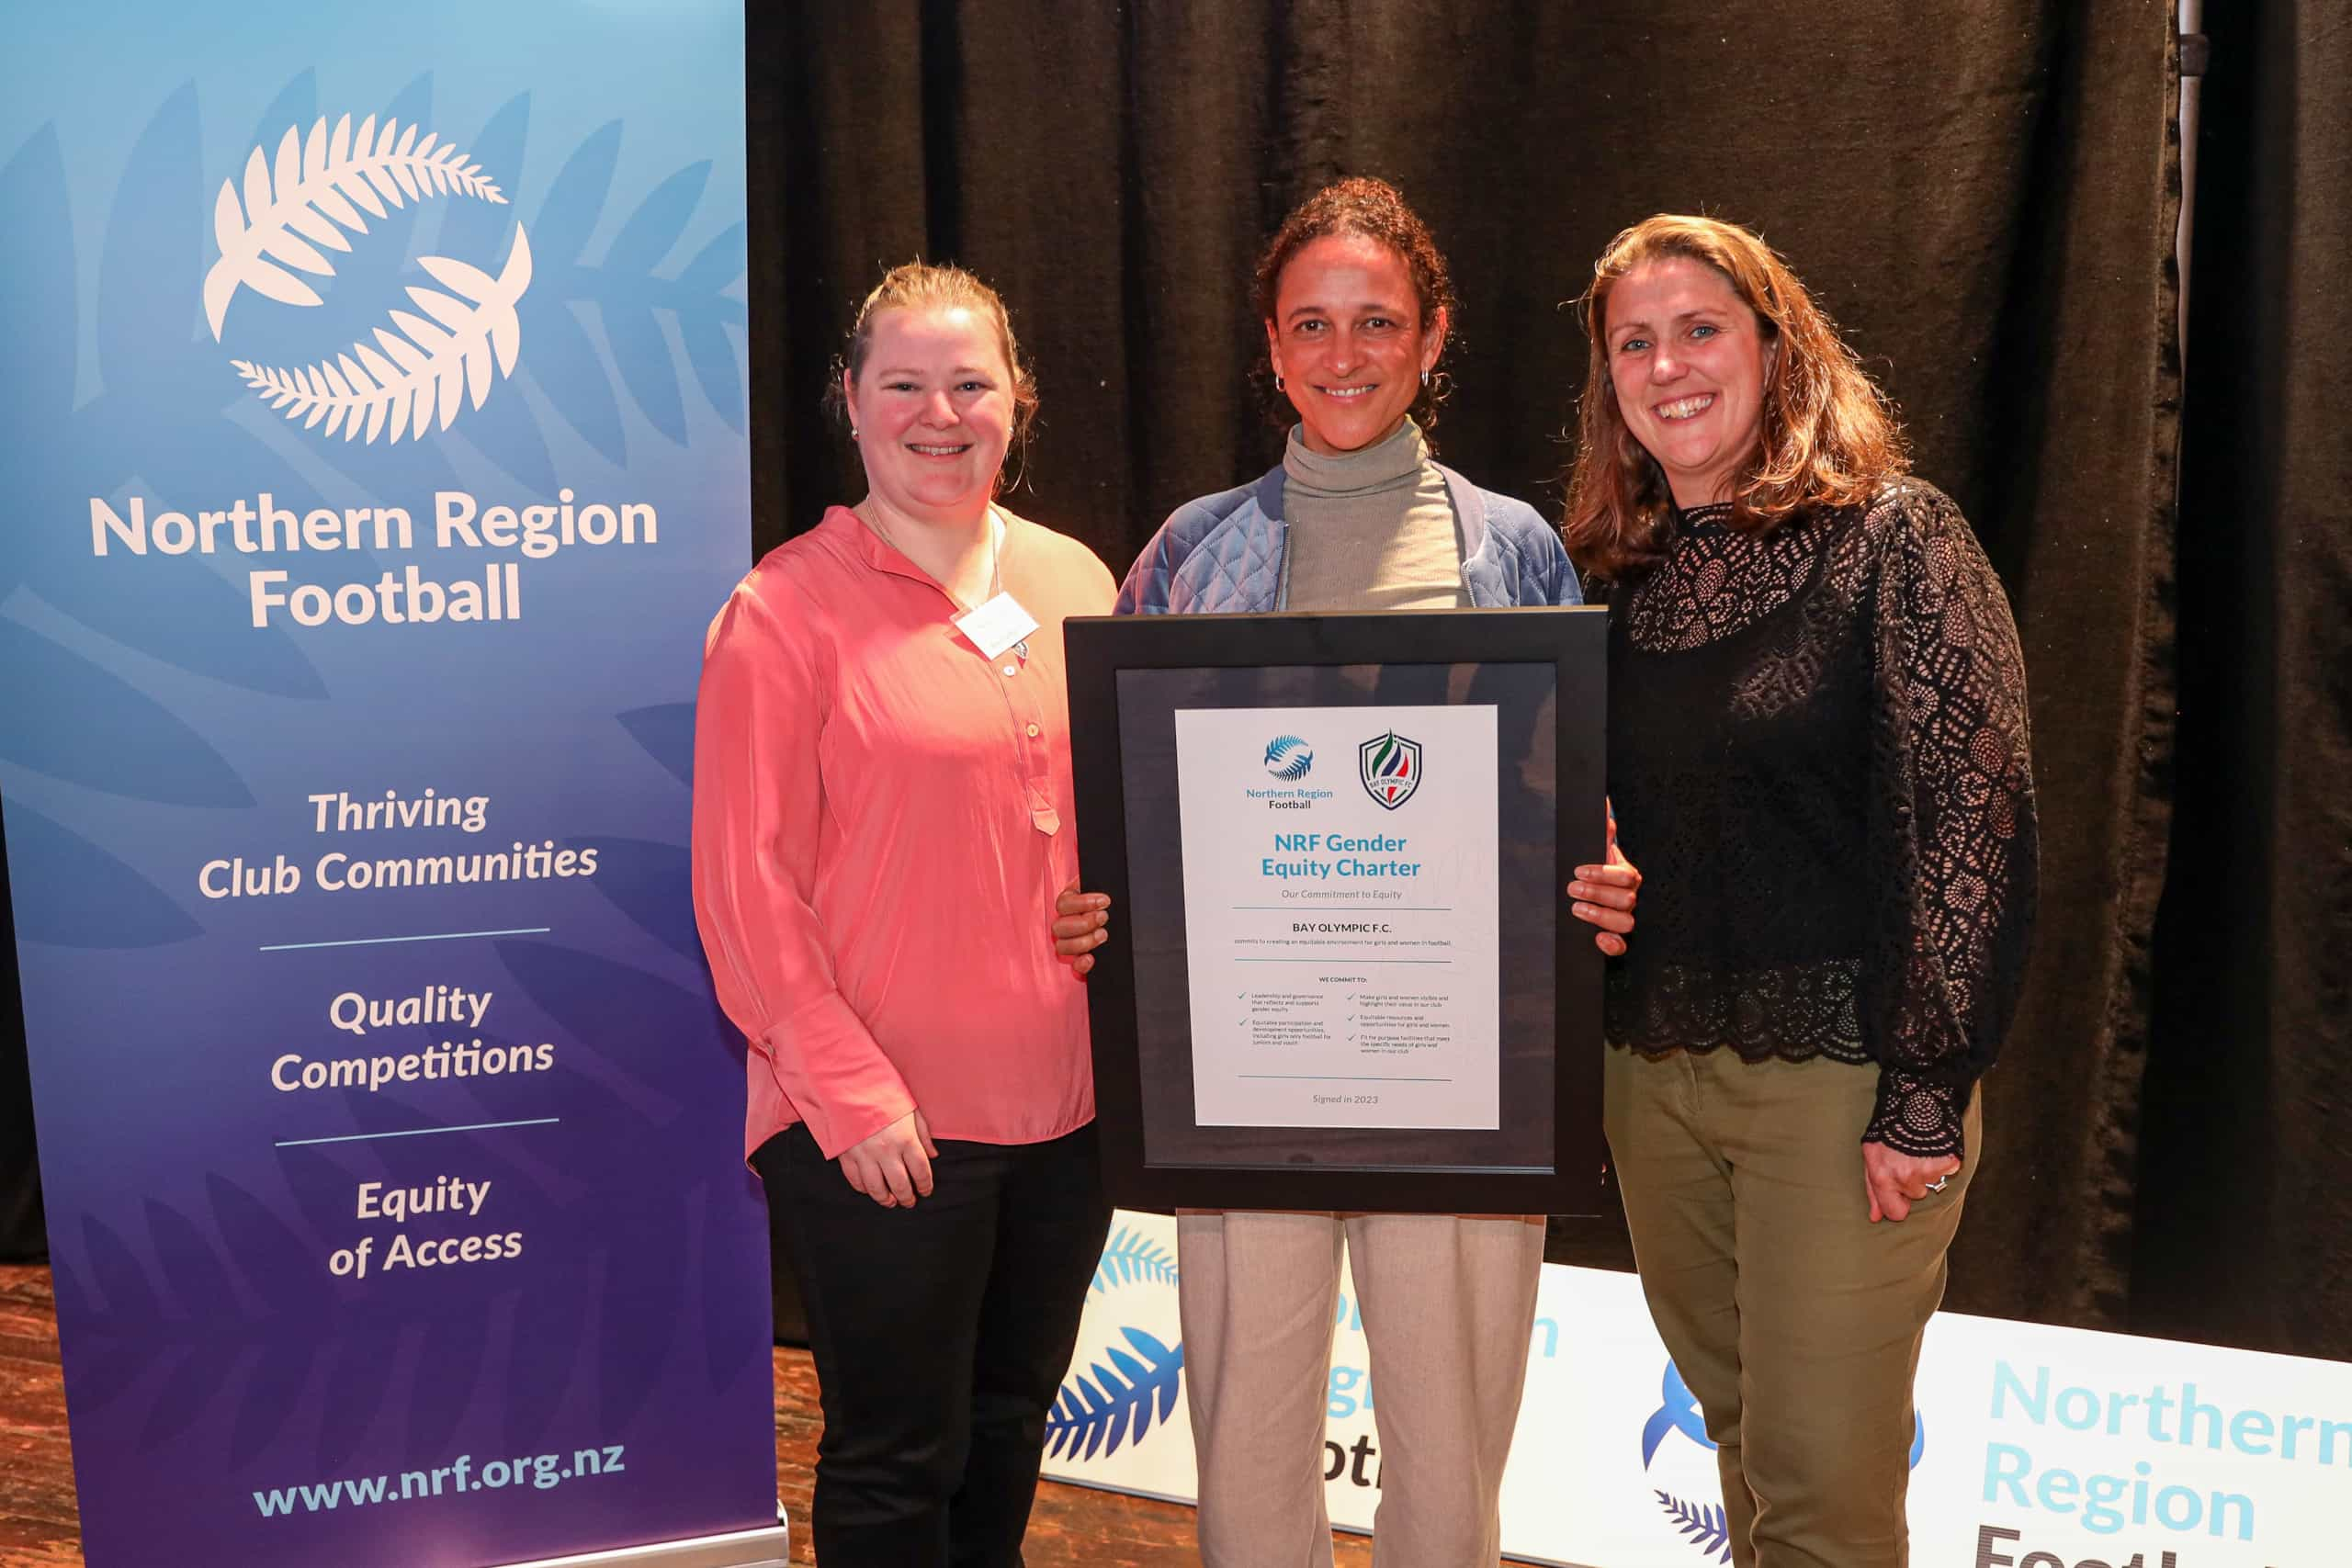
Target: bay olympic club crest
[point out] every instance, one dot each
(1390, 767)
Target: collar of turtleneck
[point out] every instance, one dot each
(1391, 460)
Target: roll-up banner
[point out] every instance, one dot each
(2032, 1447)
(374, 392)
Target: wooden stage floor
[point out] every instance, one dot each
(1070, 1526)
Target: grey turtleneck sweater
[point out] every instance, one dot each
(1370, 530)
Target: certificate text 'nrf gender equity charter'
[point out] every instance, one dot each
(1340, 884)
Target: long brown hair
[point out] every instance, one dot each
(1378, 211)
(1829, 435)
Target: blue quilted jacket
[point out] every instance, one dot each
(1230, 552)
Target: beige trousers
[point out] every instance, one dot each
(1794, 1318)
(1448, 1305)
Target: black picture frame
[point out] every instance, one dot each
(1122, 673)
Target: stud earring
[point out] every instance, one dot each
(852, 433)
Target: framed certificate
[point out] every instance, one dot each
(1341, 973)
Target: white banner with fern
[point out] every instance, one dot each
(2044, 1446)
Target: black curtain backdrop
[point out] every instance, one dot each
(2245, 1213)
(1983, 193)
(22, 1237)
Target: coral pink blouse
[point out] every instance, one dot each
(882, 820)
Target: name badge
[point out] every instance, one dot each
(997, 625)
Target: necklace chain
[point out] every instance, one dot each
(997, 531)
(996, 550)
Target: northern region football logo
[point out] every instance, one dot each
(1705, 1527)
(1289, 758)
(316, 194)
(1390, 767)
(1134, 1383)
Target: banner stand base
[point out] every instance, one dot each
(739, 1549)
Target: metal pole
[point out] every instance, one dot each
(2193, 52)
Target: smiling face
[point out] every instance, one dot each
(933, 405)
(1688, 360)
(1349, 342)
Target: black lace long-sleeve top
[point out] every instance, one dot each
(1817, 755)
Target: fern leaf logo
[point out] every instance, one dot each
(1118, 1402)
(1704, 1525)
(417, 378)
(312, 195)
(1132, 1387)
(320, 190)
(1289, 758)
(1130, 1256)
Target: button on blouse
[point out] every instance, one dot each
(878, 838)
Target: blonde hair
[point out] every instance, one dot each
(1829, 435)
(926, 285)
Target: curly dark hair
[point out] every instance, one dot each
(1378, 211)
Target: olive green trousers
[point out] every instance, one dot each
(1794, 1320)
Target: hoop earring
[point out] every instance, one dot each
(1278, 380)
(1425, 378)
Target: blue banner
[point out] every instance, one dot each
(376, 456)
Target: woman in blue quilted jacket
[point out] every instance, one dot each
(1358, 306)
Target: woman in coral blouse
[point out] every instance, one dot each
(882, 811)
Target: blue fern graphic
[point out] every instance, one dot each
(650, 884)
(1130, 1256)
(207, 1318)
(634, 1020)
(166, 760)
(176, 1304)
(1118, 1403)
(94, 901)
(162, 1319)
(164, 1322)
(1702, 1523)
(156, 372)
(630, 297)
(153, 372)
(666, 731)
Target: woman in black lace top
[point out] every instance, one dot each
(1815, 690)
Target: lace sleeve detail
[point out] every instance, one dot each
(1953, 832)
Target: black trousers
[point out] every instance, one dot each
(941, 1333)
